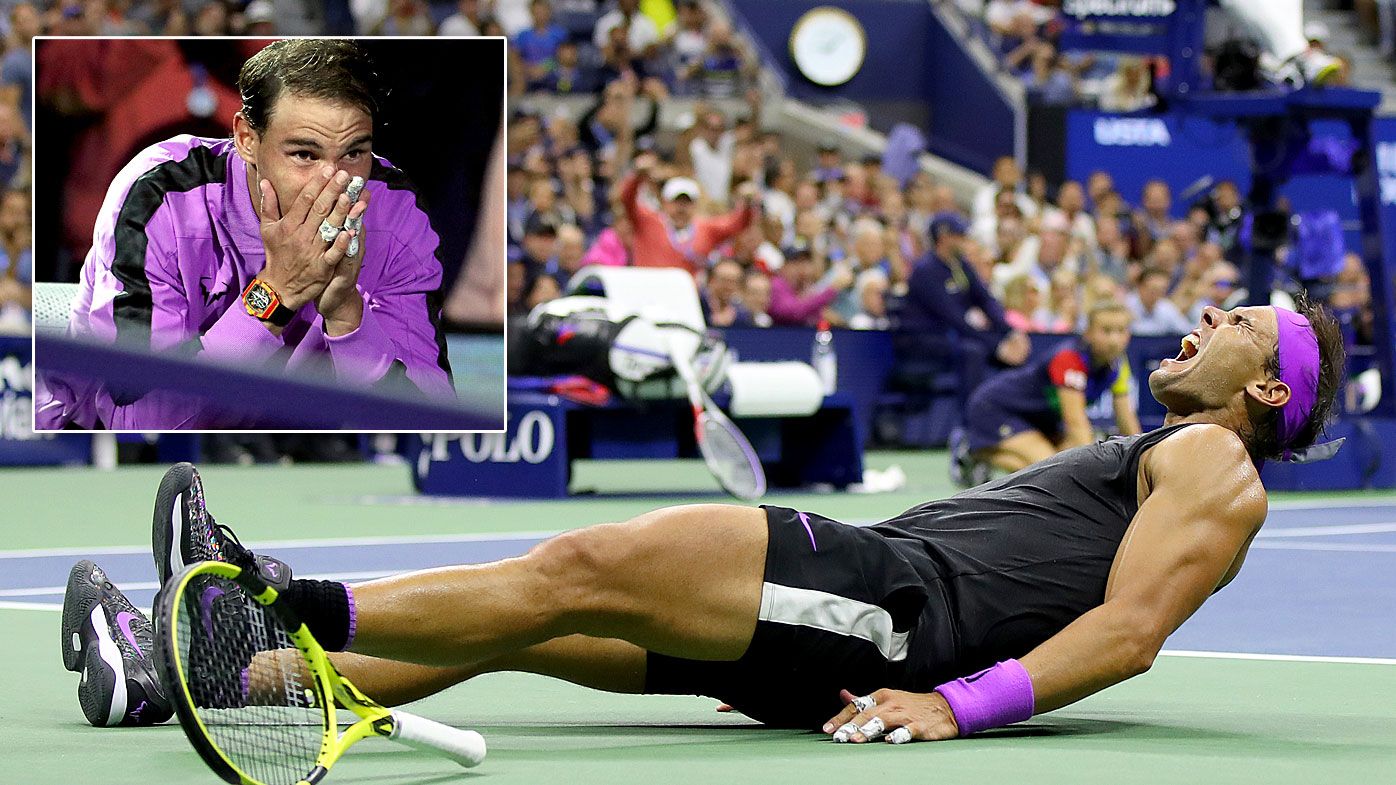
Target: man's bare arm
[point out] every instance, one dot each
(1206, 503)
(1077, 424)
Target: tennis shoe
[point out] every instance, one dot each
(110, 642)
(184, 532)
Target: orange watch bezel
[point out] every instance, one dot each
(265, 314)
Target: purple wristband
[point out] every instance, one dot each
(995, 696)
(353, 617)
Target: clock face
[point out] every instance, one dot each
(258, 299)
(828, 45)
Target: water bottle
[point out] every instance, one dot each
(824, 360)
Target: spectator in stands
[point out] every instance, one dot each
(678, 237)
(17, 263)
(1351, 301)
(722, 296)
(466, 21)
(14, 148)
(1098, 184)
(830, 163)
(1128, 89)
(259, 19)
(641, 35)
(571, 254)
(210, 20)
(1227, 218)
(1111, 255)
(725, 67)
(1022, 305)
(756, 297)
(609, 129)
(1151, 220)
(711, 151)
(798, 296)
(1040, 70)
(1221, 289)
(688, 40)
(571, 76)
(1154, 313)
(985, 229)
(1041, 255)
(538, 255)
(1071, 204)
(614, 243)
(404, 18)
(867, 259)
(15, 71)
(949, 314)
(1030, 414)
(537, 46)
(1007, 178)
(1064, 301)
(872, 294)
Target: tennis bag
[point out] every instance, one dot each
(575, 335)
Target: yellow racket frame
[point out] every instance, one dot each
(374, 720)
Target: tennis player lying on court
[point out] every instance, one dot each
(288, 245)
(980, 610)
(1032, 412)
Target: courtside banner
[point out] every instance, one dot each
(1140, 26)
(19, 445)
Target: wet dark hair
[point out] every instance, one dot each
(1264, 441)
(330, 69)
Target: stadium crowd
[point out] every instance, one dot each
(774, 239)
(22, 23)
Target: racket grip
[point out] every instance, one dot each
(465, 747)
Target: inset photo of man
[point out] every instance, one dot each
(241, 233)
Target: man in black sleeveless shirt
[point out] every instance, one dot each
(1053, 583)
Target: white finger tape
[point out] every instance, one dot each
(873, 729)
(354, 223)
(356, 186)
(845, 732)
(328, 232)
(353, 249)
(864, 702)
(899, 736)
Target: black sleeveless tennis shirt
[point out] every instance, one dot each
(1007, 565)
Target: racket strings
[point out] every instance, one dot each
(248, 683)
(729, 456)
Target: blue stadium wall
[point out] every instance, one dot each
(915, 72)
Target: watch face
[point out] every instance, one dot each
(258, 299)
(828, 46)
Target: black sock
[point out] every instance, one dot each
(327, 608)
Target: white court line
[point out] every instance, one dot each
(1240, 655)
(39, 591)
(1348, 547)
(329, 542)
(1334, 504)
(1329, 531)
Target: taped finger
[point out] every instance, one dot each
(845, 732)
(899, 736)
(328, 231)
(873, 729)
(864, 702)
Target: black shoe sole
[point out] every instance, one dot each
(175, 482)
(78, 599)
(97, 687)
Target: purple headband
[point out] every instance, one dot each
(1299, 364)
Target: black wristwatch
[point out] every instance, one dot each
(262, 302)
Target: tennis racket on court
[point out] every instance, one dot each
(256, 694)
(724, 448)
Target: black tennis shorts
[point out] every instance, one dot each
(838, 607)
